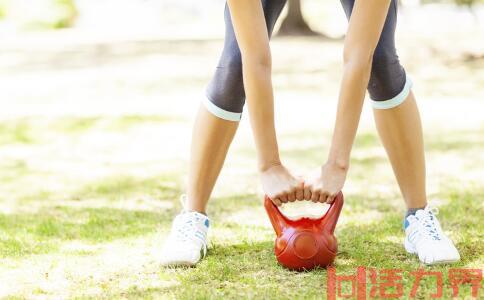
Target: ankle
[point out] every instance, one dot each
(190, 204)
(410, 212)
(198, 210)
(413, 210)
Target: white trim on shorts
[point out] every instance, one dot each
(395, 101)
(219, 112)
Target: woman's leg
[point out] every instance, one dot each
(213, 131)
(211, 138)
(397, 117)
(217, 119)
(400, 130)
(398, 123)
(396, 114)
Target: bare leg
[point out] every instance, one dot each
(400, 130)
(211, 138)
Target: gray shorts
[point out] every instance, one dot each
(388, 86)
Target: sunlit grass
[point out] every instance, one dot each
(17, 131)
(47, 229)
(240, 261)
(87, 197)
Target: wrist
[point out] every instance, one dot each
(266, 165)
(338, 163)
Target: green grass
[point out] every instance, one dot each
(18, 131)
(82, 220)
(114, 124)
(47, 229)
(248, 268)
(32, 130)
(119, 187)
(86, 200)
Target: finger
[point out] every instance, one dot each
(283, 198)
(291, 196)
(277, 202)
(307, 193)
(322, 197)
(330, 198)
(299, 190)
(315, 196)
(300, 193)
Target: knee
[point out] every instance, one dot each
(389, 85)
(225, 96)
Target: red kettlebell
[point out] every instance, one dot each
(305, 243)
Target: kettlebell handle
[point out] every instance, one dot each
(278, 220)
(328, 221)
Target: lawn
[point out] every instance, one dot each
(93, 160)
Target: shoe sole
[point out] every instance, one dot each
(411, 250)
(178, 264)
(409, 247)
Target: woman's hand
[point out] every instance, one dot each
(280, 185)
(325, 186)
(364, 30)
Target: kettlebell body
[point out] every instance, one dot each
(305, 243)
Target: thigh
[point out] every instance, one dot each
(272, 11)
(387, 38)
(226, 90)
(388, 77)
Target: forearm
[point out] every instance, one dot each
(364, 31)
(352, 93)
(260, 100)
(253, 39)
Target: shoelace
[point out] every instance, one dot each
(428, 223)
(185, 229)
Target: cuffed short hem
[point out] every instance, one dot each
(219, 112)
(395, 101)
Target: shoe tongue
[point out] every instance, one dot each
(193, 215)
(411, 218)
(421, 213)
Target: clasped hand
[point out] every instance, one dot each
(281, 186)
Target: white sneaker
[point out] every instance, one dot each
(425, 238)
(187, 242)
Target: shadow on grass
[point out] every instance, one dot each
(34, 130)
(122, 187)
(456, 141)
(244, 270)
(222, 207)
(82, 124)
(244, 267)
(47, 229)
(250, 269)
(18, 131)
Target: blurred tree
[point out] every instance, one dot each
(470, 4)
(294, 23)
(68, 15)
(3, 9)
(39, 14)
